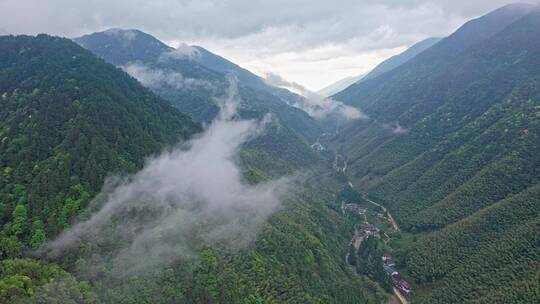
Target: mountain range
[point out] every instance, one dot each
(452, 143)
(442, 172)
(70, 121)
(190, 78)
(385, 66)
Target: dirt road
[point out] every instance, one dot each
(390, 217)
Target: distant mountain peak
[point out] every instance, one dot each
(339, 85)
(126, 35)
(121, 46)
(385, 66)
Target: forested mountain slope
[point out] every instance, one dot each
(191, 78)
(385, 66)
(453, 139)
(68, 120)
(396, 61)
(193, 63)
(339, 85)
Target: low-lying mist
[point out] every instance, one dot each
(317, 106)
(190, 196)
(160, 78)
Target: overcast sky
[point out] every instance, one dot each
(311, 42)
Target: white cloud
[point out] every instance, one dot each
(182, 51)
(182, 199)
(155, 78)
(123, 35)
(396, 128)
(315, 105)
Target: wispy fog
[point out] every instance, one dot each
(183, 51)
(396, 128)
(187, 197)
(156, 78)
(123, 35)
(317, 106)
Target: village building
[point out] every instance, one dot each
(354, 208)
(389, 266)
(404, 287)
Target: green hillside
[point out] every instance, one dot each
(69, 120)
(443, 175)
(452, 141)
(203, 79)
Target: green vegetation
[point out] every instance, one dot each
(369, 262)
(69, 120)
(29, 281)
(499, 244)
(206, 77)
(463, 176)
(451, 149)
(297, 258)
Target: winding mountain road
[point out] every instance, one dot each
(392, 221)
(390, 217)
(397, 294)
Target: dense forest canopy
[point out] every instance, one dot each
(106, 137)
(69, 120)
(468, 113)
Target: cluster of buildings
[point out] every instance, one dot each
(317, 146)
(371, 229)
(390, 267)
(354, 208)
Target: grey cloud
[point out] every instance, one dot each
(287, 37)
(321, 21)
(185, 198)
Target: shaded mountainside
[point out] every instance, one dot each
(453, 137)
(396, 61)
(385, 66)
(196, 63)
(120, 46)
(339, 85)
(68, 119)
(191, 78)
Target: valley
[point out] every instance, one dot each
(132, 171)
(365, 230)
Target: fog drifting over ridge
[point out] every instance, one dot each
(190, 196)
(157, 78)
(316, 105)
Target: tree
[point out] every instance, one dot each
(20, 215)
(351, 258)
(38, 236)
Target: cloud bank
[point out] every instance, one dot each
(313, 42)
(156, 78)
(185, 198)
(316, 105)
